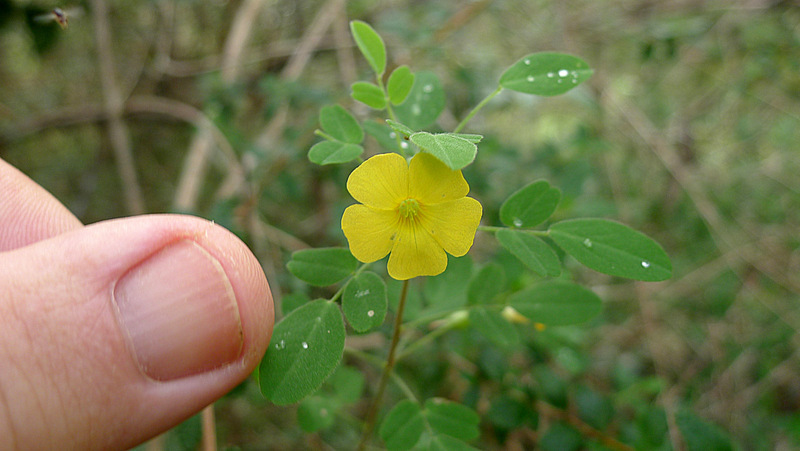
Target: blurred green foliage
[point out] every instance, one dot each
(688, 131)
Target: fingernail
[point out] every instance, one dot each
(179, 313)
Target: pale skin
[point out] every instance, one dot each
(75, 373)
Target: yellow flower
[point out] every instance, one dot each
(416, 211)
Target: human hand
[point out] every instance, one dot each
(112, 333)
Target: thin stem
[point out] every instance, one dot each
(209, 429)
(493, 229)
(369, 423)
(376, 362)
(477, 108)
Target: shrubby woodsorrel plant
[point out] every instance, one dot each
(412, 205)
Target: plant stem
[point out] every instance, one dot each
(372, 413)
(476, 109)
(493, 229)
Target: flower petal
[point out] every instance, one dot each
(369, 231)
(430, 181)
(380, 182)
(453, 224)
(415, 253)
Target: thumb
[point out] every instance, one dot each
(112, 333)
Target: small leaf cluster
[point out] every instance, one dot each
(308, 344)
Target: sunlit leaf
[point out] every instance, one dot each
(557, 303)
(530, 250)
(452, 150)
(322, 266)
(530, 205)
(370, 44)
(334, 152)
(306, 347)
(545, 74)
(612, 248)
(399, 85)
(340, 124)
(424, 104)
(369, 94)
(364, 302)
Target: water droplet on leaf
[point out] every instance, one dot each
(428, 88)
(305, 345)
(563, 73)
(517, 222)
(371, 313)
(645, 264)
(587, 242)
(550, 75)
(527, 62)
(531, 78)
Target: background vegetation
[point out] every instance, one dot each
(687, 131)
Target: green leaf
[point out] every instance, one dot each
(531, 250)
(448, 291)
(545, 74)
(306, 347)
(399, 85)
(432, 441)
(531, 205)
(402, 426)
(370, 44)
(486, 284)
(333, 152)
(323, 266)
(364, 302)
(424, 104)
(316, 413)
(348, 383)
(400, 128)
(452, 418)
(612, 248)
(593, 408)
(561, 437)
(340, 124)
(383, 134)
(368, 94)
(557, 303)
(492, 325)
(551, 386)
(701, 435)
(454, 151)
(293, 300)
(471, 137)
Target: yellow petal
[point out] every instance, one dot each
(380, 182)
(415, 253)
(452, 224)
(369, 231)
(430, 181)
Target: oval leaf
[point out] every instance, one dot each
(306, 347)
(399, 85)
(531, 250)
(333, 152)
(323, 266)
(612, 248)
(451, 418)
(492, 325)
(400, 128)
(530, 205)
(370, 44)
(425, 102)
(486, 284)
(340, 124)
(545, 74)
(557, 303)
(403, 426)
(368, 94)
(454, 151)
(316, 413)
(364, 302)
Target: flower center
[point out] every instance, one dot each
(409, 208)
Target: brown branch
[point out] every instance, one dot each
(117, 131)
(586, 430)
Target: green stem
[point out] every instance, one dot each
(493, 229)
(477, 108)
(339, 293)
(372, 413)
(376, 362)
